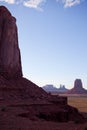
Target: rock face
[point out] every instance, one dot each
(78, 84)
(10, 60)
(78, 88)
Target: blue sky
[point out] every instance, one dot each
(52, 39)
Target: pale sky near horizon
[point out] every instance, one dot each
(53, 39)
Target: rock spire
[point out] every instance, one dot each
(10, 59)
(78, 88)
(78, 84)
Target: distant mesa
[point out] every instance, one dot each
(78, 88)
(50, 88)
(53, 89)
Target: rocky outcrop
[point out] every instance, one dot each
(46, 112)
(10, 60)
(78, 88)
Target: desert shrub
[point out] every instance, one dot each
(85, 128)
(25, 115)
(77, 121)
(42, 116)
(3, 108)
(19, 128)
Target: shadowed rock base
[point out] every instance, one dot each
(32, 102)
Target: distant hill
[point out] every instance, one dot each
(78, 88)
(53, 89)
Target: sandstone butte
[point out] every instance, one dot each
(78, 88)
(20, 97)
(10, 60)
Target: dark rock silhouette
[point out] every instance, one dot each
(78, 88)
(19, 96)
(10, 60)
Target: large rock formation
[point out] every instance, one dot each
(78, 88)
(20, 97)
(11, 80)
(78, 84)
(10, 60)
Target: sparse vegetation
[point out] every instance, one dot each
(77, 121)
(85, 128)
(78, 102)
(3, 108)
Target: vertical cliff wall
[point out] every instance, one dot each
(10, 59)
